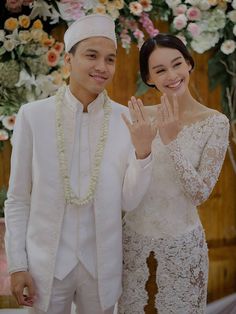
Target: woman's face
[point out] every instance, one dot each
(168, 71)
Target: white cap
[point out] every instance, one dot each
(92, 25)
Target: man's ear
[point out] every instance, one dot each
(67, 60)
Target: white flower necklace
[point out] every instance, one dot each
(70, 196)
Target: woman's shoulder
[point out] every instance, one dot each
(207, 116)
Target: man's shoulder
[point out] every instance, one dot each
(39, 105)
(117, 107)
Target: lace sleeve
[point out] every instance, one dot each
(199, 183)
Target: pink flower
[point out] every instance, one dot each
(180, 21)
(73, 8)
(193, 14)
(138, 34)
(194, 29)
(180, 9)
(148, 25)
(125, 39)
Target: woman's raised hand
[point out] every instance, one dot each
(168, 121)
(142, 131)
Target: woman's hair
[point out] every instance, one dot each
(160, 40)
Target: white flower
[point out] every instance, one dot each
(194, 29)
(234, 4)
(2, 35)
(54, 17)
(232, 16)
(180, 9)
(228, 47)
(40, 8)
(213, 21)
(205, 41)
(89, 4)
(25, 80)
(114, 13)
(180, 21)
(9, 45)
(3, 135)
(173, 3)
(204, 5)
(9, 121)
(234, 30)
(135, 8)
(70, 197)
(44, 86)
(25, 36)
(193, 2)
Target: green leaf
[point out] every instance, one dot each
(2, 51)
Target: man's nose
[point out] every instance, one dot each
(101, 65)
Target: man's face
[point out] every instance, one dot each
(92, 66)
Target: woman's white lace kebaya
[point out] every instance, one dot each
(70, 196)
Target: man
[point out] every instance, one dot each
(69, 163)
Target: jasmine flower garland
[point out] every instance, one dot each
(70, 196)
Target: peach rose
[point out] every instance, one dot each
(52, 57)
(48, 42)
(11, 24)
(58, 47)
(37, 24)
(24, 21)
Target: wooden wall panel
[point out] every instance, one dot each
(218, 214)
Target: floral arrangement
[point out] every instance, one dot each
(211, 24)
(201, 24)
(31, 67)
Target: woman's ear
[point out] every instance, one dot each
(149, 81)
(190, 67)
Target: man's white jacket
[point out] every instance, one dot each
(35, 206)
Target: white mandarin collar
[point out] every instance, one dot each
(75, 105)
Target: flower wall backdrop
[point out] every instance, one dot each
(33, 59)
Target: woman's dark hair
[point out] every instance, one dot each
(160, 40)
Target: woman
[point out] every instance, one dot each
(188, 152)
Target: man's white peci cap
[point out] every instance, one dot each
(92, 25)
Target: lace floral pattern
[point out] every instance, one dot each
(181, 273)
(198, 183)
(167, 222)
